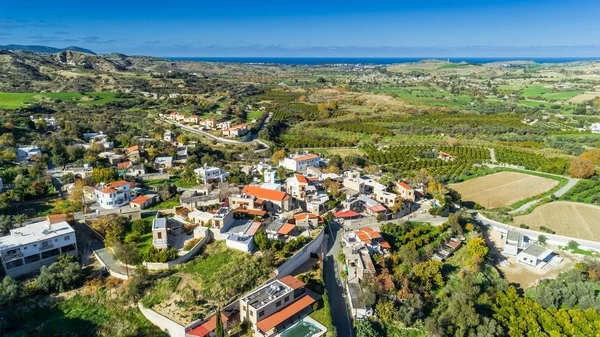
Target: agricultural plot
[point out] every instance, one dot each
(14, 100)
(546, 93)
(565, 218)
(503, 188)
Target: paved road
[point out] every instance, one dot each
(554, 239)
(251, 138)
(334, 285)
(107, 258)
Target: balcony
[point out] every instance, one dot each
(11, 256)
(46, 246)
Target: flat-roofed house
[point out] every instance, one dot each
(300, 162)
(26, 249)
(534, 256)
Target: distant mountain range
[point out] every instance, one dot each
(45, 49)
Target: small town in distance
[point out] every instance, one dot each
(251, 171)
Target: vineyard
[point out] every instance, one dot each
(414, 158)
(531, 161)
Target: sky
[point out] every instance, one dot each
(350, 28)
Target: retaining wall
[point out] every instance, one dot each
(301, 256)
(168, 326)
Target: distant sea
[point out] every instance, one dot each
(374, 60)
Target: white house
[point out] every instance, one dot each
(534, 256)
(168, 136)
(406, 192)
(236, 131)
(163, 163)
(595, 127)
(113, 195)
(208, 174)
(300, 162)
(26, 249)
(28, 152)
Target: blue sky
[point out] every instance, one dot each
(310, 28)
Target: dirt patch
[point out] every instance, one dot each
(503, 188)
(566, 218)
(587, 96)
(513, 272)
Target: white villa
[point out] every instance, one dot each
(113, 195)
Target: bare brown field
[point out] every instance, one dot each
(566, 218)
(586, 96)
(503, 188)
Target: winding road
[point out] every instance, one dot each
(250, 138)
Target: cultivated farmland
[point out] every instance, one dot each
(503, 188)
(565, 218)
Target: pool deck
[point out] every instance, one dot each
(307, 319)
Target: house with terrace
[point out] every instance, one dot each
(276, 306)
(113, 195)
(367, 237)
(26, 249)
(208, 174)
(300, 162)
(281, 229)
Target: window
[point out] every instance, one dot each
(67, 238)
(251, 313)
(287, 298)
(278, 304)
(159, 234)
(261, 314)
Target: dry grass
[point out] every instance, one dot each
(566, 218)
(587, 96)
(503, 188)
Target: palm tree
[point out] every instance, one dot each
(20, 219)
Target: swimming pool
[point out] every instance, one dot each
(301, 329)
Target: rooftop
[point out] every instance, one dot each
(265, 194)
(537, 251)
(34, 232)
(159, 223)
(281, 316)
(207, 327)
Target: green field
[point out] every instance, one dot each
(14, 100)
(253, 115)
(538, 90)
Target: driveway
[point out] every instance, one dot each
(334, 285)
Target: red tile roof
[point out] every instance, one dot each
(207, 327)
(376, 208)
(253, 228)
(133, 148)
(140, 199)
(385, 245)
(292, 282)
(301, 179)
(55, 218)
(258, 212)
(117, 183)
(264, 193)
(109, 190)
(304, 216)
(306, 157)
(346, 214)
(279, 317)
(404, 185)
(125, 164)
(286, 229)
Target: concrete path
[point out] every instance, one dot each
(492, 155)
(108, 260)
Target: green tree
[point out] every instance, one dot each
(261, 240)
(104, 175)
(364, 328)
(137, 283)
(477, 251)
(9, 290)
(572, 245)
(386, 311)
(428, 275)
(542, 240)
(59, 152)
(62, 275)
(127, 253)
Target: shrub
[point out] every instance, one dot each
(572, 245)
(191, 244)
(160, 255)
(141, 226)
(132, 237)
(524, 226)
